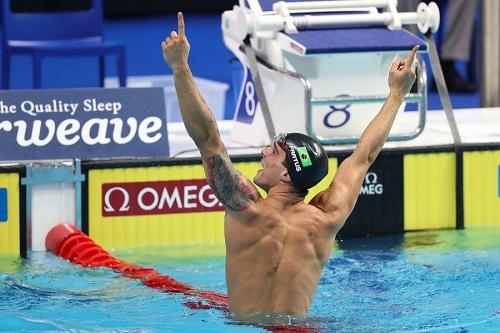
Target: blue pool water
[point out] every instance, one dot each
(440, 281)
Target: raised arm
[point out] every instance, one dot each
(234, 190)
(340, 197)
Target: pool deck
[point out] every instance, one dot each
(476, 127)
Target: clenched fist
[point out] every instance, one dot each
(176, 47)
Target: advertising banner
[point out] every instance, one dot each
(82, 123)
(163, 204)
(379, 208)
(160, 197)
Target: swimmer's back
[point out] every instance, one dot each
(275, 255)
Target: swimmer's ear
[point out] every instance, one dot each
(285, 176)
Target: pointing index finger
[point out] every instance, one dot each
(180, 21)
(412, 55)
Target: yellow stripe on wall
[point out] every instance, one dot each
(133, 231)
(429, 191)
(9, 231)
(481, 188)
(129, 231)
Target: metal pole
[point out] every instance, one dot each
(490, 64)
(277, 22)
(333, 4)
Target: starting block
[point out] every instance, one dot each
(320, 67)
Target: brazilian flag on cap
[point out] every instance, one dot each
(313, 165)
(305, 160)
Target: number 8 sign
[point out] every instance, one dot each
(248, 100)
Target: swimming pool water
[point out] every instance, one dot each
(438, 281)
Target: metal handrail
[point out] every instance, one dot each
(420, 97)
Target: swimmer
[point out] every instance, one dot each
(276, 246)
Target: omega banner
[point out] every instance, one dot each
(160, 197)
(166, 202)
(379, 209)
(82, 123)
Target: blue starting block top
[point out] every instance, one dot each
(348, 39)
(366, 39)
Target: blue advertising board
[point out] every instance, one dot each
(82, 123)
(3, 205)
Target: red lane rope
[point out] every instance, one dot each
(66, 241)
(70, 243)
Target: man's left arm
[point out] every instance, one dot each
(340, 197)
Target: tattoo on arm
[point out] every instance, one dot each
(233, 190)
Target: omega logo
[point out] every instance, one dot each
(107, 202)
(371, 185)
(158, 197)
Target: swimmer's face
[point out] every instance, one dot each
(273, 167)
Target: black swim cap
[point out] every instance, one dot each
(306, 160)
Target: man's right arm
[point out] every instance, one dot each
(339, 199)
(234, 190)
(198, 120)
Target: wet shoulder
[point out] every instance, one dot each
(252, 214)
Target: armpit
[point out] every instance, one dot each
(232, 189)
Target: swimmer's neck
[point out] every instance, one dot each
(285, 194)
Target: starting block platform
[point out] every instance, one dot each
(320, 67)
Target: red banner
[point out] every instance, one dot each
(160, 197)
